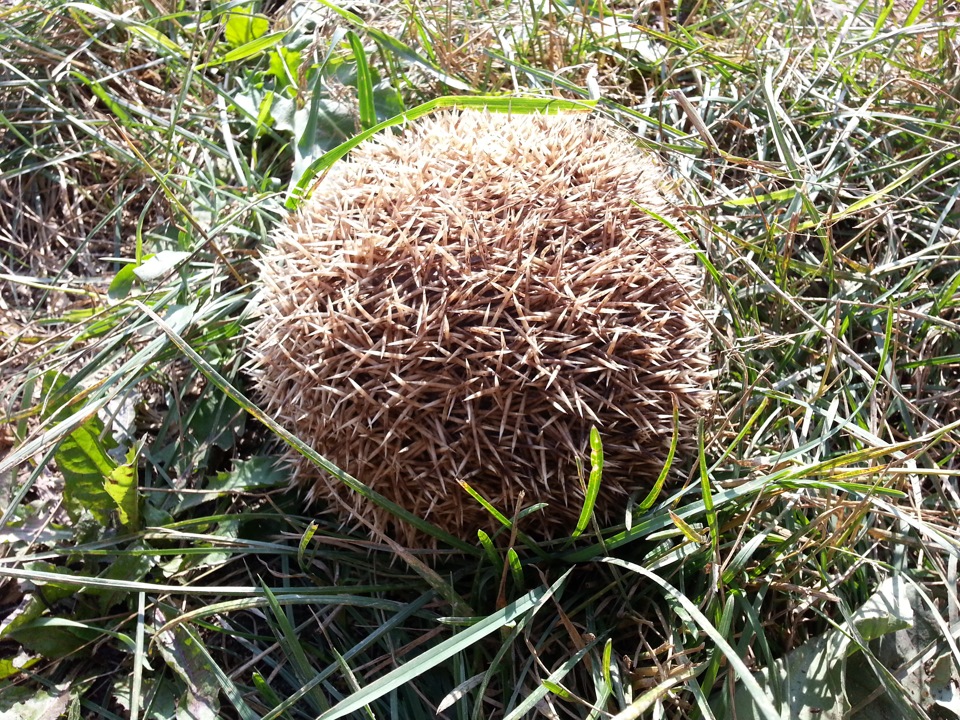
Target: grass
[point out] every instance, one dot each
(153, 558)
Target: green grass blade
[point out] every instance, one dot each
(368, 113)
(403, 613)
(657, 488)
(775, 112)
(552, 684)
(689, 532)
(442, 652)
(490, 551)
(248, 50)
(593, 484)
(516, 570)
(746, 676)
(493, 103)
(211, 374)
(710, 511)
(501, 518)
(293, 650)
(397, 47)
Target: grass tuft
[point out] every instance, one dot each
(153, 560)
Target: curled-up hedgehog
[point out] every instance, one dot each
(465, 300)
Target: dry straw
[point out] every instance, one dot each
(464, 301)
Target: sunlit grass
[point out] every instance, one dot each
(147, 150)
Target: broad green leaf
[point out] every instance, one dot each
(163, 692)
(183, 653)
(59, 637)
(122, 282)
(36, 604)
(815, 675)
(121, 485)
(85, 465)
(129, 566)
(284, 65)
(226, 531)
(71, 416)
(215, 419)
(14, 666)
(242, 26)
(159, 265)
(30, 703)
(256, 473)
(248, 50)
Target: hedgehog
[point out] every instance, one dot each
(463, 301)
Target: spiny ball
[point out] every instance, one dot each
(464, 301)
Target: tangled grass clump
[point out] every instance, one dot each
(464, 301)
